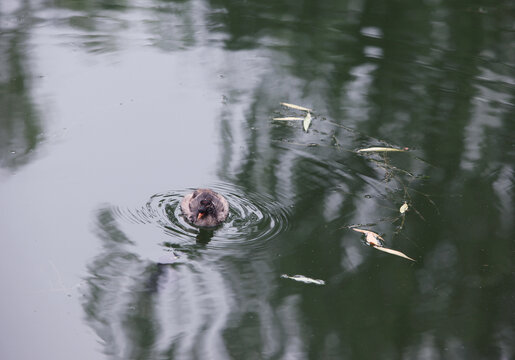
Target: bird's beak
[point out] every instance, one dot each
(199, 216)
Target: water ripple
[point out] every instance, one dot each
(253, 221)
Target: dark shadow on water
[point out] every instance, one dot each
(120, 304)
(142, 309)
(20, 124)
(204, 236)
(413, 88)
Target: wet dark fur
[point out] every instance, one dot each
(213, 205)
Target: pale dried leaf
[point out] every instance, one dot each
(361, 230)
(288, 118)
(304, 279)
(372, 238)
(404, 208)
(297, 107)
(393, 252)
(307, 121)
(379, 149)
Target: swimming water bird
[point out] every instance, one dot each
(205, 208)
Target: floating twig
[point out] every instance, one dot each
(296, 107)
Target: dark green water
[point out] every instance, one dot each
(112, 111)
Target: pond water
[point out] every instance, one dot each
(113, 111)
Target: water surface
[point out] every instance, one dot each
(114, 111)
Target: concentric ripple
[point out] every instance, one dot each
(254, 219)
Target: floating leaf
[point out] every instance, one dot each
(372, 239)
(297, 107)
(304, 279)
(379, 149)
(393, 252)
(288, 118)
(404, 208)
(307, 121)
